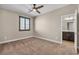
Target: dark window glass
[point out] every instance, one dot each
(24, 23)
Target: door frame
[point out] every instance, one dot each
(75, 35)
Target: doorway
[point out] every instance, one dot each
(69, 30)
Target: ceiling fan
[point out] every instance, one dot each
(35, 8)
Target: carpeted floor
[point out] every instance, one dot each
(36, 46)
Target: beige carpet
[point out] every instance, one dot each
(36, 46)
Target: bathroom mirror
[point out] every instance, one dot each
(69, 26)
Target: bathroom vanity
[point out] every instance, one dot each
(68, 27)
(69, 36)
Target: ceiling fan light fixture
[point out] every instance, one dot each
(34, 9)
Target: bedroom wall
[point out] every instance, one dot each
(0, 26)
(78, 28)
(48, 26)
(9, 23)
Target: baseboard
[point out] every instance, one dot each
(29, 37)
(14, 40)
(49, 40)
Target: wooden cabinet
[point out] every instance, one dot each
(68, 36)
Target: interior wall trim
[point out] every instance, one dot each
(15, 39)
(49, 40)
(30, 37)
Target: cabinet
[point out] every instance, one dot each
(68, 36)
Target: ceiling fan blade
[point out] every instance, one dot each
(34, 5)
(29, 10)
(39, 7)
(38, 11)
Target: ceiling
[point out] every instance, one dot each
(24, 8)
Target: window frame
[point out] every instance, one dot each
(24, 24)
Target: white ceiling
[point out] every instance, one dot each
(24, 8)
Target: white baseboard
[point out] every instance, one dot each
(29, 37)
(14, 40)
(49, 40)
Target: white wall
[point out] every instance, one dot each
(78, 28)
(49, 25)
(9, 23)
(0, 26)
(65, 23)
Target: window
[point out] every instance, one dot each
(24, 23)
